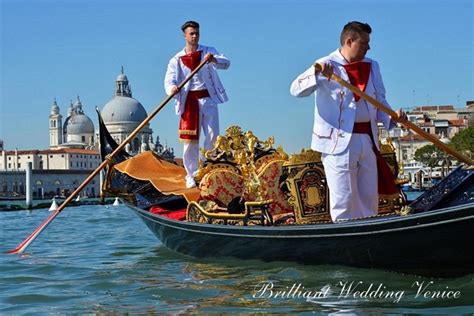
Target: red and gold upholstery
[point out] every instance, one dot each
(221, 186)
(270, 173)
(222, 182)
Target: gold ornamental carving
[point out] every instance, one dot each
(240, 150)
(305, 156)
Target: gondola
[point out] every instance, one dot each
(256, 202)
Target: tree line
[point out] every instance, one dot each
(431, 156)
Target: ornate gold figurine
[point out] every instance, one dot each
(240, 149)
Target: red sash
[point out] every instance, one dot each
(189, 122)
(386, 179)
(358, 73)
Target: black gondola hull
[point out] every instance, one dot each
(430, 243)
(435, 239)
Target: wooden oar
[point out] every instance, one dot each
(21, 247)
(395, 116)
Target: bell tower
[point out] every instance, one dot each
(55, 126)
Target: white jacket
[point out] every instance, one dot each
(177, 72)
(335, 107)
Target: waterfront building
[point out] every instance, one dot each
(54, 172)
(47, 183)
(434, 112)
(443, 122)
(58, 159)
(441, 112)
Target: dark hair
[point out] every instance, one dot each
(354, 29)
(192, 24)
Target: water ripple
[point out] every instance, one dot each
(94, 259)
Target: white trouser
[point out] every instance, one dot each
(209, 121)
(352, 180)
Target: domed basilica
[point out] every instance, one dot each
(121, 115)
(77, 130)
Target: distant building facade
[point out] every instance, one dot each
(443, 122)
(54, 172)
(48, 183)
(59, 159)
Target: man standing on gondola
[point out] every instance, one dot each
(345, 126)
(196, 103)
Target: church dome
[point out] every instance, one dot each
(79, 124)
(123, 109)
(122, 114)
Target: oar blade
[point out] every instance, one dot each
(25, 243)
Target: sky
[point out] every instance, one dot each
(63, 49)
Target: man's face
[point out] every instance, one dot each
(360, 46)
(191, 35)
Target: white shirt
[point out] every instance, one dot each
(196, 83)
(362, 111)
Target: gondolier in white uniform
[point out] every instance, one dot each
(345, 126)
(196, 103)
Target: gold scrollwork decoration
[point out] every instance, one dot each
(240, 150)
(305, 156)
